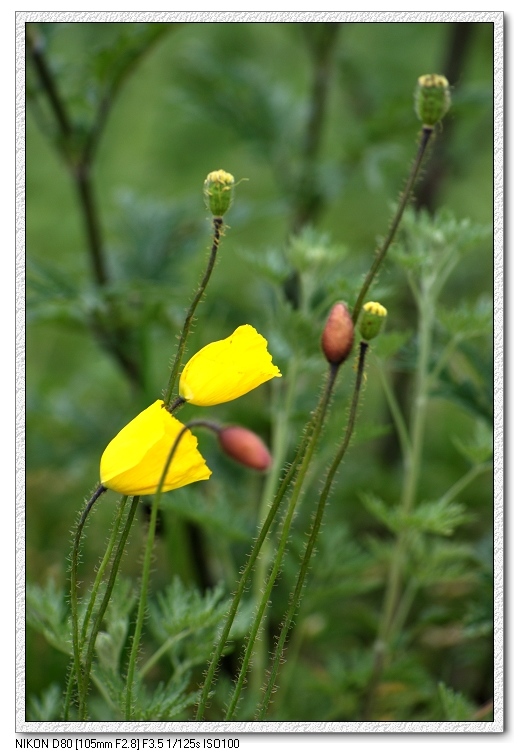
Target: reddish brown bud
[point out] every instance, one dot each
(338, 334)
(245, 447)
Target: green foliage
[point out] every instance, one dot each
(454, 705)
(47, 706)
(104, 57)
(47, 613)
(324, 132)
(184, 623)
(436, 517)
(470, 384)
(110, 642)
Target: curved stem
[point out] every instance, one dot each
(91, 603)
(217, 233)
(283, 540)
(404, 198)
(296, 595)
(76, 649)
(146, 567)
(102, 567)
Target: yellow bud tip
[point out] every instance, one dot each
(432, 98)
(374, 308)
(338, 334)
(218, 192)
(373, 317)
(245, 447)
(220, 177)
(433, 80)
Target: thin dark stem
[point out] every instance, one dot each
(295, 598)
(79, 161)
(79, 169)
(404, 198)
(217, 233)
(176, 404)
(36, 44)
(91, 219)
(304, 186)
(322, 40)
(107, 100)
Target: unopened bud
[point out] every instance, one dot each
(432, 98)
(245, 447)
(218, 192)
(338, 334)
(373, 317)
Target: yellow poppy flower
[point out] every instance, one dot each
(227, 369)
(133, 462)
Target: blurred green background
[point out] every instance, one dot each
(319, 119)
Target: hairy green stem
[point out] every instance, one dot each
(89, 657)
(281, 423)
(296, 595)
(102, 567)
(146, 568)
(76, 649)
(247, 569)
(217, 234)
(287, 522)
(91, 603)
(404, 198)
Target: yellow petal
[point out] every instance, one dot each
(227, 369)
(133, 462)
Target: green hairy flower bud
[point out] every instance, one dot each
(432, 98)
(373, 317)
(218, 192)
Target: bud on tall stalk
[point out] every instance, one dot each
(338, 334)
(218, 192)
(432, 99)
(373, 318)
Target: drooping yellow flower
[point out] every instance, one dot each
(133, 462)
(227, 369)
